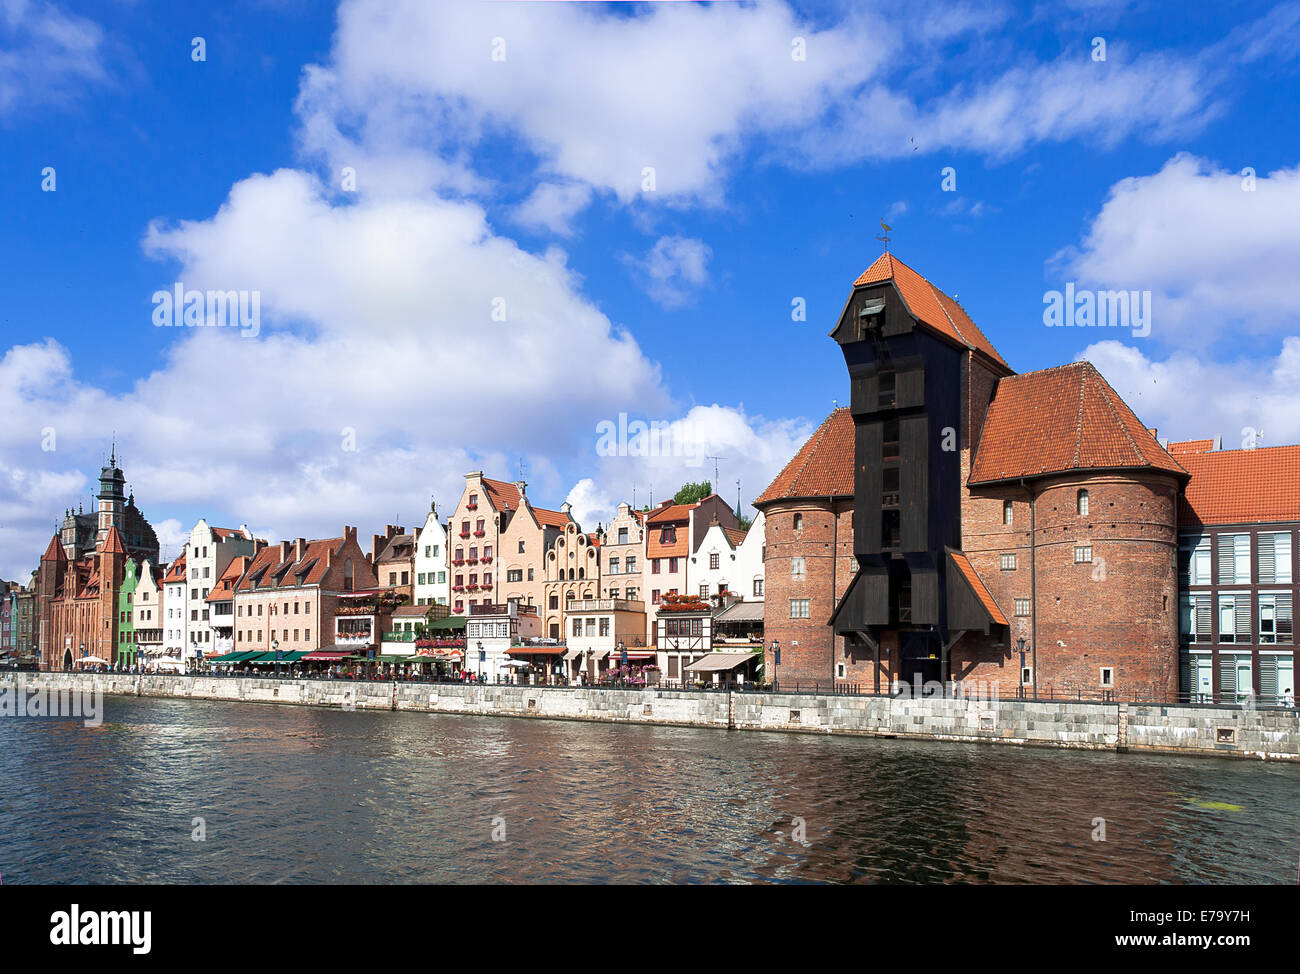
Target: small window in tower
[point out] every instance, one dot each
(798, 522)
(1107, 676)
(1083, 503)
(888, 388)
(1007, 515)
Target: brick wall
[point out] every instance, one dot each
(809, 652)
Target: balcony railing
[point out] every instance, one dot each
(399, 637)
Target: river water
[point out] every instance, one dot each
(303, 795)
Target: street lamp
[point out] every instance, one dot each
(776, 659)
(481, 657)
(275, 648)
(1020, 682)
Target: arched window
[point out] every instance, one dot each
(347, 575)
(1082, 503)
(1006, 512)
(798, 522)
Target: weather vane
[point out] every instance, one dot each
(884, 237)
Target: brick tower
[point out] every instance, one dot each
(112, 567)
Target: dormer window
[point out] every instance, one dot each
(871, 318)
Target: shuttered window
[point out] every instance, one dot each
(1274, 558)
(1268, 679)
(1227, 677)
(1234, 619)
(1194, 561)
(1235, 679)
(1275, 618)
(1196, 618)
(1234, 559)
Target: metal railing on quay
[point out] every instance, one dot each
(1148, 698)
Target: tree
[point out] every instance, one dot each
(744, 521)
(690, 493)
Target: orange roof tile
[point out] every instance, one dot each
(224, 590)
(549, 518)
(929, 305)
(1190, 446)
(501, 494)
(1242, 486)
(671, 512)
(176, 570)
(735, 535)
(978, 587)
(1062, 419)
(54, 552)
(823, 466)
(113, 542)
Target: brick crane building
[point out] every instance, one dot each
(957, 517)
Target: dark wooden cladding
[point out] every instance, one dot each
(906, 387)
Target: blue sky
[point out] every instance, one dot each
(521, 177)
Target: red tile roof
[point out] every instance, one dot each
(978, 587)
(1241, 486)
(671, 512)
(823, 466)
(1062, 419)
(54, 552)
(501, 494)
(929, 305)
(113, 542)
(176, 571)
(224, 590)
(549, 518)
(734, 535)
(1190, 446)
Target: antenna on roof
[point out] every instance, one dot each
(715, 467)
(522, 466)
(737, 496)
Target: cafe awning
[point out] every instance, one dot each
(537, 650)
(328, 655)
(287, 657)
(741, 612)
(720, 662)
(451, 622)
(240, 657)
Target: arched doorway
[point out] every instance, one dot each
(67, 659)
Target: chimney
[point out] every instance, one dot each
(376, 548)
(349, 533)
(566, 508)
(284, 551)
(299, 549)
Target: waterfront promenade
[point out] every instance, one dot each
(1218, 731)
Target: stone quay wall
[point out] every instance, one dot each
(1219, 731)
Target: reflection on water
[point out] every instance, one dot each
(293, 795)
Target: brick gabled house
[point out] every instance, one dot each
(672, 533)
(497, 542)
(290, 591)
(955, 509)
(77, 603)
